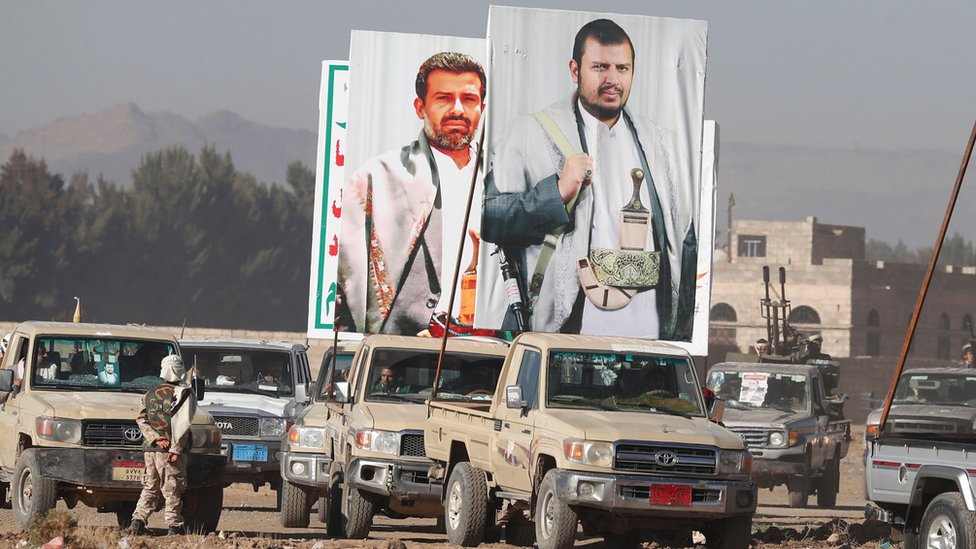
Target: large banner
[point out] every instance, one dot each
(329, 166)
(591, 219)
(414, 121)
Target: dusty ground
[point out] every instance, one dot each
(250, 520)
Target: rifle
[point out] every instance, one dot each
(514, 290)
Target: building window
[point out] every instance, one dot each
(752, 245)
(804, 315)
(723, 312)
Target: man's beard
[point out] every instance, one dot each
(448, 140)
(602, 113)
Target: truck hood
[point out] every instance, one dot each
(104, 405)
(315, 415)
(612, 426)
(391, 416)
(760, 418)
(219, 402)
(925, 412)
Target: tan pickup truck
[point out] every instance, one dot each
(69, 397)
(373, 426)
(610, 433)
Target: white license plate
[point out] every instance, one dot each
(128, 470)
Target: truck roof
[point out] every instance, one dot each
(957, 370)
(462, 344)
(41, 328)
(771, 367)
(548, 341)
(238, 343)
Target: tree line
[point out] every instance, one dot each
(956, 250)
(191, 239)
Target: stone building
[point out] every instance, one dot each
(860, 308)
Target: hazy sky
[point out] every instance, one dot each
(878, 74)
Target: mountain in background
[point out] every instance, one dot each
(113, 141)
(895, 195)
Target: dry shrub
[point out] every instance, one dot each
(50, 525)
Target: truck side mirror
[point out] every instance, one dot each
(341, 392)
(197, 384)
(301, 393)
(714, 406)
(513, 397)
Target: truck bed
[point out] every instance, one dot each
(466, 422)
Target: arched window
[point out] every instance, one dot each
(804, 315)
(723, 312)
(874, 338)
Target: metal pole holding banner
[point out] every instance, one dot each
(926, 282)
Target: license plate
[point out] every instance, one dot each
(670, 494)
(127, 470)
(250, 452)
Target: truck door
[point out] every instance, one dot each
(10, 410)
(821, 446)
(512, 455)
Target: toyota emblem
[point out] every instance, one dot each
(132, 434)
(665, 458)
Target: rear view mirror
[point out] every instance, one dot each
(197, 384)
(340, 392)
(513, 397)
(6, 381)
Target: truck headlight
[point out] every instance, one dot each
(587, 452)
(777, 438)
(384, 442)
(306, 437)
(734, 462)
(59, 430)
(205, 437)
(271, 427)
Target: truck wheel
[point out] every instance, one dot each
(947, 524)
(520, 531)
(296, 505)
(201, 509)
(799, 487)
(730, 533)
(357, 512)
(330, 505)
(466, 505)
(33, 494)
(555, 522)
(123, 515)
(829, 485)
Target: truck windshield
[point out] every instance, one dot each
(622, 382)
(97, 363)
(778, 391)
(242, 370)
(935, 388)
(408, 375)
(343, 361)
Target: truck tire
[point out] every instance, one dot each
(520, 531)
(358, 508)
(123, 515)
(555, 522)
(946, 523)
(201, 509)
(330, 505)
(32, 494)
(466, 505)
(296, 505)
(799, 488)
(829, 485)
(730, 533)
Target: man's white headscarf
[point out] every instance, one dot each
(172, 369)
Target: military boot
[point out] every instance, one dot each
(137, 527)
(175, 530)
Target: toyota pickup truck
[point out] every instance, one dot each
(788, 421)
(69, 397)
(609, 433)
(920, 473)
(255, 389)
(369, 430)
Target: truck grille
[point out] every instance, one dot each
(412, 445)
(649, 458)
(111, 433)
(923, 426)
(241, 426)
(754, 438)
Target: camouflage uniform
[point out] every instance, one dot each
(162, 480)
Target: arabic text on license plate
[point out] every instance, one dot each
(670, 494)
(127, 470)
(250, 452)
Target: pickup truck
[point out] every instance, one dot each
(373, 426)
(69, 397)
(789, 424)
(255, 389)
(609, 433)
(920, 474)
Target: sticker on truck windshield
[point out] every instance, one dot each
(754, 385)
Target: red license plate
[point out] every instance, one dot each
(670, 494)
